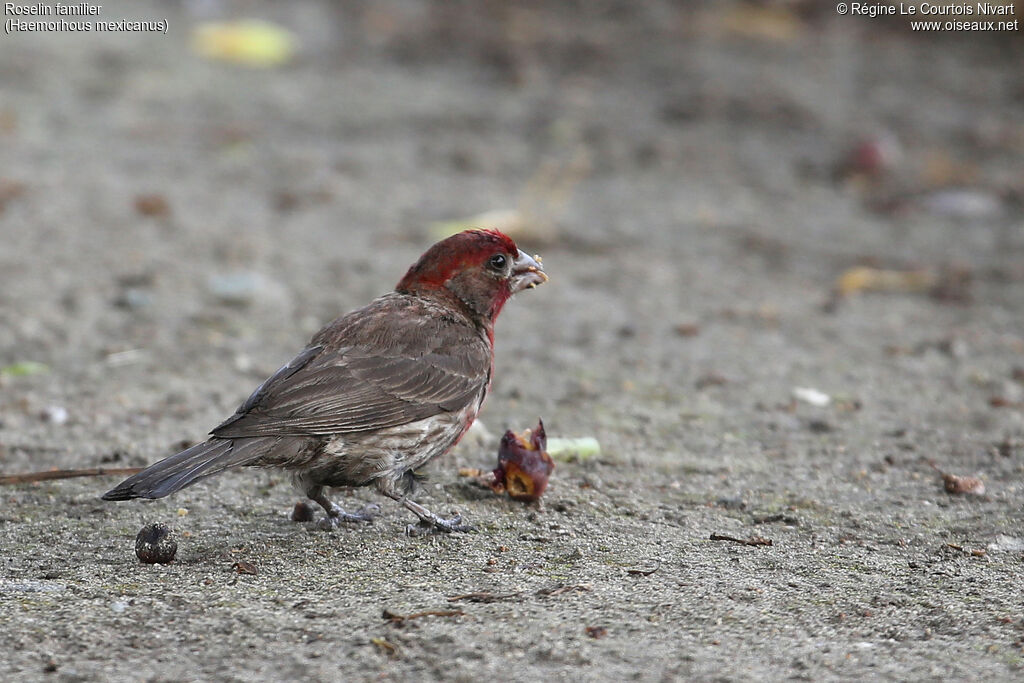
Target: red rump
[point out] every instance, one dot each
(524, 464)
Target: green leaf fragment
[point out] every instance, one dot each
(27, 367)
(565, 449)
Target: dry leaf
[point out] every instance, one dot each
(957, 485)
(963, 485)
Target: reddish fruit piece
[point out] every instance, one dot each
(873, 156)
(524, 464)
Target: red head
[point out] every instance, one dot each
(480, 269)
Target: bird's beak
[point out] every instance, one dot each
(527, 273)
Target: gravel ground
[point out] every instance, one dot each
(173, 228)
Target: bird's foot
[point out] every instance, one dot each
(337, 516)
(433, 524)
(429, 522)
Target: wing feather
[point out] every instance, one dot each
(352, 378)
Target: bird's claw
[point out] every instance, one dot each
(436, 525)
(337, 516)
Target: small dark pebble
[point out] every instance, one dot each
(1006, 447)
(596, 632)
(788, 520)
(711, 379)
(152, 205)
(687, 329)
(133, 298)
(819, 426)
(303, 512)
(155, 544)
(285, 200)
(736, 503)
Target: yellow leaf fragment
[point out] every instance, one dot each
(865, 279)
(249, 42)
(763, 23)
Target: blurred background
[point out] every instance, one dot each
(711, 184)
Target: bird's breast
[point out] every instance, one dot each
(359, 459)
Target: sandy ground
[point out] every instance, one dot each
(688, 165)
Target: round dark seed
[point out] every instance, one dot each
(155, 544)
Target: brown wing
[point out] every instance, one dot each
(355, 378)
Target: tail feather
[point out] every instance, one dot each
(186, 468)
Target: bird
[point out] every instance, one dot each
(377, 393)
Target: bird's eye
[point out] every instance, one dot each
(497, 262)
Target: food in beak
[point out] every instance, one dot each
(527, 272)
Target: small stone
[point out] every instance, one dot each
(964, 204)
(155, 544)
(57, 415)
(1007, 543)
(246, 287)
(152, 205)
(134, 299)
(687, 329)
(819, 426)
(814, 397)
(731, 503)
(710, 379)
(303, 512)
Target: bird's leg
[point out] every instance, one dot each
(429, 522)
(335, 514)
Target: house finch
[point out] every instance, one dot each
(378, 393)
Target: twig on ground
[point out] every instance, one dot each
(30, 477)
(399, 618)
(483, 596)
(753, 540)
(564, 588)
